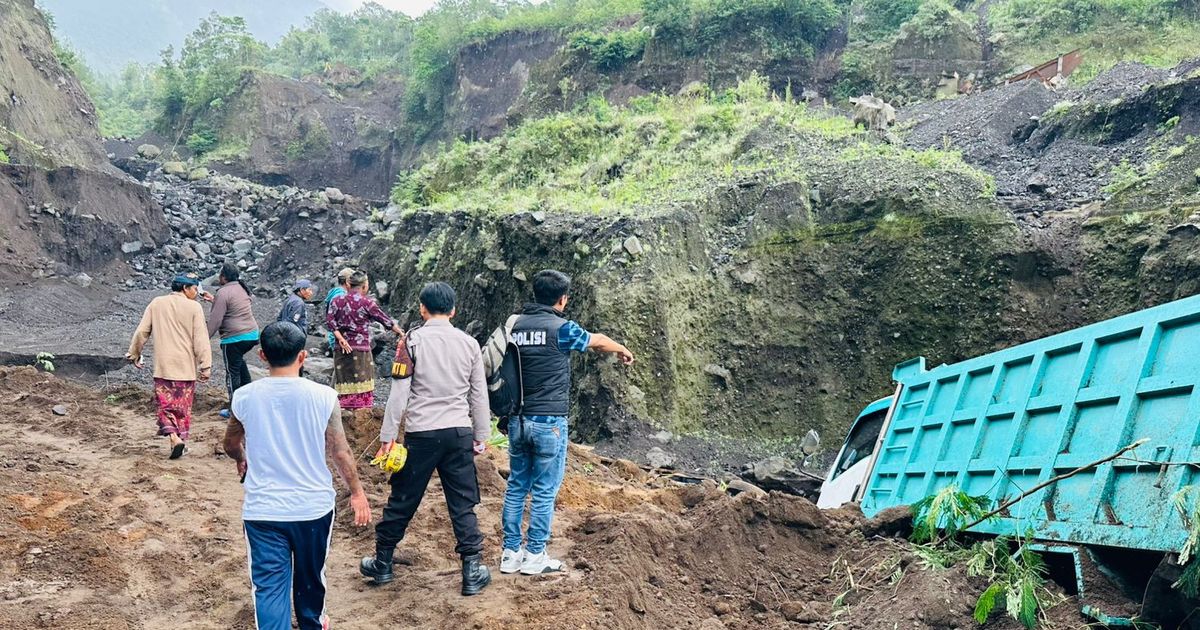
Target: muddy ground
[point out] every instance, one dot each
(99, 530)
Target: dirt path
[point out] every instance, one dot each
(99, 530)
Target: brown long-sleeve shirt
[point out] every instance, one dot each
(231, 313)
(447, 389)
(181, 346)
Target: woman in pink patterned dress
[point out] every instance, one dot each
(349, 318)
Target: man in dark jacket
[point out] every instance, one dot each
(295, 308)
(538, 437)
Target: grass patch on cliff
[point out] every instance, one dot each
(1158, 33)
(655, 154)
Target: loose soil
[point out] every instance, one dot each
(99, 530)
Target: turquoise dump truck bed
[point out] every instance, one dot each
(999, 424)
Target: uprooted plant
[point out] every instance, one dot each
(1189, 581)
(1016, 579)
(44, 361)
(948, 511)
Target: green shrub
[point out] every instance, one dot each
(786, 28)
(1035, 18)
(658, 152)
(202, 140)
(611, 50)
(947, 512)
(312, 139)
(881, 19)
(1017, 580)
(3, 156)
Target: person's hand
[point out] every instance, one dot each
(626, 356)
(242, 466)
(480, 447)
(345, 346)
(398, 330)
(207, 297)
(205, 374)
(385, 448)
(362, 510)
(136, 361)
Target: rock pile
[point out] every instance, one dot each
(274, 234)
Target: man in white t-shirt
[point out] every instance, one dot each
(281, 428)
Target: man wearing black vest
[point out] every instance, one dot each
(538, 437)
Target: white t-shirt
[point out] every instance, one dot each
(285, 419)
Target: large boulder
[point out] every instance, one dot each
(149, 151)
(873, 112)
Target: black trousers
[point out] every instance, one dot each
(236, 371)
(449, 452)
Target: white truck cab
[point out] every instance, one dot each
(853, 462)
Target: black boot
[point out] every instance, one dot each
(475, 574)
(379, 568)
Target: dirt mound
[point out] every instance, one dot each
(99, 530)
(1056, 150)
(1123, 80)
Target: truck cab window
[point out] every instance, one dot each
(861, 442)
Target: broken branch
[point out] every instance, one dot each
(1053, 480)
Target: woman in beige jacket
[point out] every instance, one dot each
(182, 356)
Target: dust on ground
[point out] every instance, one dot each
(99, 530)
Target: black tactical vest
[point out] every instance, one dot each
(545, 369)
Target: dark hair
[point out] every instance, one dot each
(357, 279)
(438, 298)
(282, 343)
(231, 273)
(178, 287)
(549, 286)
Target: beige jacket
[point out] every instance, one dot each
(447, 388)
(180, 337)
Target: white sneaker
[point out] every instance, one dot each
(536, 564)
(511, 561)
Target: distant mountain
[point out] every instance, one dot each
(112, 33)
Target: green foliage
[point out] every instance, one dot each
(312, 139)
(881, 18)
(933, 20)
(1016, 578)
(611, 50)
(950, 510)
(44, 361)
(370, 40)
(786, 28)
(1124, 176)
(1159, 33)
(203, 139)
(656, 153)
(498, 439)
(1039, 18)
(1188, 509)
(213, 59)
(3, 156)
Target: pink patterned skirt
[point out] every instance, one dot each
(174, 400)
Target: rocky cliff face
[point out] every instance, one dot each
(63, 207)
(774, 305)
(281, 131)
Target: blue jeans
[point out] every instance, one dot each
(537, 453)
